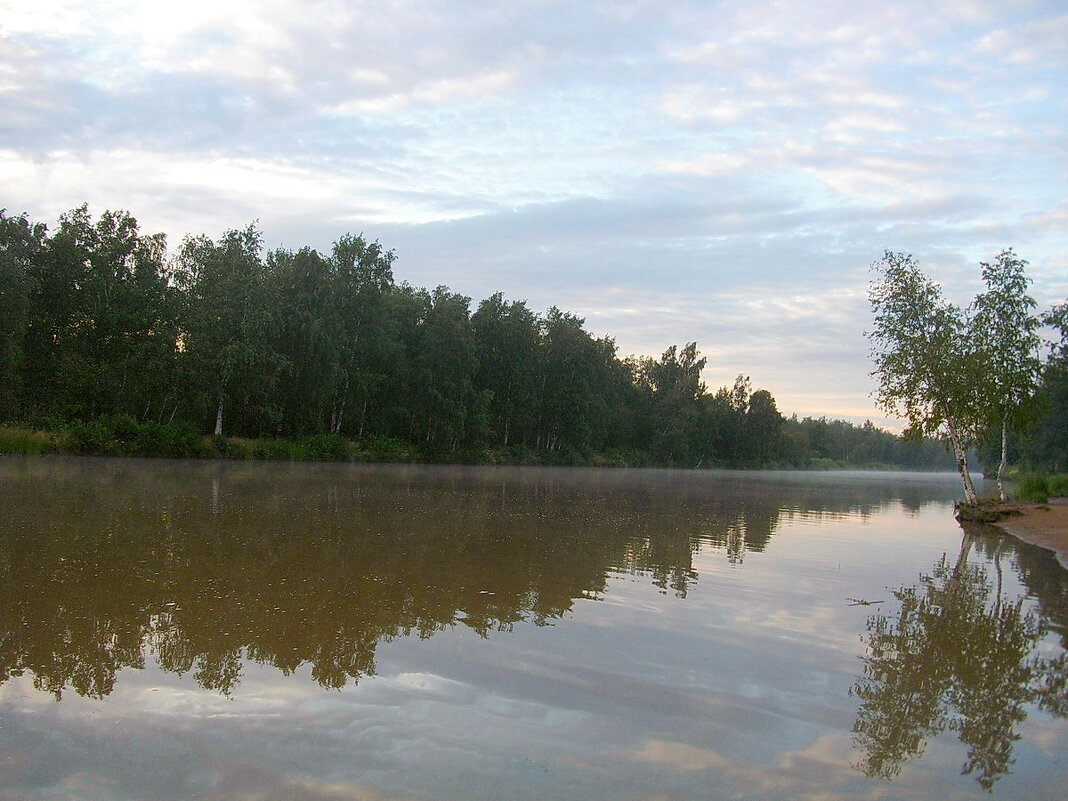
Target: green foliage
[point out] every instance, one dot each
(327, 448)
(27, 442)
(1040, 487)
(1057, 484)
(1033, 487)
(952, 371)
(296, 355)
(918, 346)
(122, 435)
(388, 449)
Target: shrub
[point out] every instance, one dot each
(326, 448)
(125, 431)
(25, 442)
(388, 449)
(278, 450)
(1058, 484)
(1032, 487)
(174, 439)
(94, 438)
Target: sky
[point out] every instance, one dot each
(671, 171)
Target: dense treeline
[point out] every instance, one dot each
(99, 323)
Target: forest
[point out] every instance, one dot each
(108, 336)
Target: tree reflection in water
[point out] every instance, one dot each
(205, 567)
(313, 569)
(956, 656)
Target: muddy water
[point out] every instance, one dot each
(173, 630)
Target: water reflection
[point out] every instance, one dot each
(208, 566)
(957, 655)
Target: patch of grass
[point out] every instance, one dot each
(388, 449)
(1033, 487)
(278, 450)
(1057, 484)
(327, 448)
(26, 442)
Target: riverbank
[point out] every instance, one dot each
(1042, 524)
(123, 436)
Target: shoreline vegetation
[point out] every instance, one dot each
(127, 438)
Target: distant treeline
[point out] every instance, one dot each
(102, 332)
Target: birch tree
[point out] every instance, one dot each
(1005, 333)
(227, 322)
(925, 368)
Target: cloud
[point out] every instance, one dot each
(1043, 41)
(446, 90)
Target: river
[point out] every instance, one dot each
(268, 631)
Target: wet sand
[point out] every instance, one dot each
(1045, 525)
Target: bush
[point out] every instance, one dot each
(1032, 487)
(278, 450)
(327, 448)
(178, 440)
(1058, 484)
(125, 431)
(567, 456)
(388, 449)
(823, 463)
(94, 438)
(25, 442)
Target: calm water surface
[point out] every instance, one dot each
(179, 630)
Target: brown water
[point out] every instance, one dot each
(179, 630)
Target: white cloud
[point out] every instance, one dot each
(445, 90)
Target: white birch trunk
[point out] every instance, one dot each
(1004, 457)
(219, 415)
(962, 463)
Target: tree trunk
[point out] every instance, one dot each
(219, 415)
(1004, 456)
(962, 463)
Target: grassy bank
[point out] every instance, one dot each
(1040, 487)
(124, 436)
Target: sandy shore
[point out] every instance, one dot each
(1045, 525)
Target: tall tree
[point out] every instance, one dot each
(507, 350)
(925, 369)
(301, 299)
(21, 246)
(364, 330)
(445, 368)
(676, 389)
(570, 366)
(763, 425)
(1005, 330)
(228, 322)
(101, 330)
